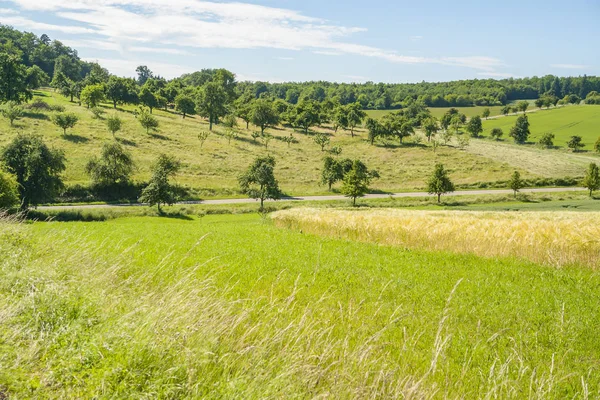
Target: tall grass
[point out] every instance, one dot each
(554, 238)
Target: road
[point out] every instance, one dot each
(323, 198)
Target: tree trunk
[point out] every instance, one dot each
(247, 125)
(352, 131)
(354, 201)
(439, 195)
(210, 123)
(115, 104)
(262, 201)
(159, 209)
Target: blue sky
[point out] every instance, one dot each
(343, 41)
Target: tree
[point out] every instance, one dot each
(114, 124)
(121, 90)
(211, 102)
(523, 106)
(203, 136)
(147, 98)
(147, 120)
(591, 181)
(185, 105)
(92, 95)
(144, 74)
(597, 145)
(474, 126)
(515, 182)
(36, 77)
(356, 180)
(547, 140)
(575, 143)
(486, 113)
(259, 182)
(12, 111)
(520, 132)
(496, 133)
(114, 167)
(65, 121)
(306, 114)
(334, 170)
(354, 116)
(539, 103)
(263, 114)
(375, 129)
(431, 127)
(159, 190)
(36, 167)
(322, 140)
(505, 110)
(439, 183)
(9, 190)
(13, 79)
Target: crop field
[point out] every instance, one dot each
(212, 168)
(563, 122)
(236, 307)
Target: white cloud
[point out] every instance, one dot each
(40, 26)
(569, 66)
(127, 67)
(151, 25)
(7, 11)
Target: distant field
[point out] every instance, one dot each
(439, 111)
(234, 307)
(583, 120)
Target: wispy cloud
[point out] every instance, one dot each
(150, 26)
(570, 66)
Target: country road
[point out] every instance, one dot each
(322, 198)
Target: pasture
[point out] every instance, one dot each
(233, 306)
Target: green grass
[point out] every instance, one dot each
(212, 170)
(232, 307)
(439, 111)
(563, 122)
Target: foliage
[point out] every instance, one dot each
(230, 121)
(114, 167)
(147, 120)
(13, 79)
(263, 114)
(36, 167)
(203, 136)
(575, 143)
(597, 145)
(65, 120)
(322, 140)
(92, 95)
(121, 91)
(357, 179)
(11, 111)
(9, 190)
(439, 183)
(591, 181)
(496, 133)
(474, 126)
(547, 140)
(259, 182)
(334, 170)
(486, 113)
(185, 105)
(516, 183)
(520, 132)
(230, 134)
(114, 124)
(211, 102)
(159, 190)
(462, 141)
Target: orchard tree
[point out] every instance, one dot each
(496, 133)
(9, 191)
(36, 167)
(147, 120)
(431, 127)
(547, 140)
(506, 110)
(114, 124)
(13, 79)
(523, 106)
(439, 183)
(575, 143)
(306, 114)
(322, 140)
(263, 114)
(354, 116)
(185, 105)
(65, 121)
(357, 180)
(591, 181)
(597, 145)
(144, 74)
(159, 190)
(334, 170)
(516, 183)
(147, 98)
(539, 103)
(36, 77)
(11, 111)
(121, 91)
(211, 102)
(474, 126)
(114, 167)
(259, 182)
(92, 95)
(520, 132)
(485, 113)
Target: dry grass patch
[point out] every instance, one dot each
(554, 238)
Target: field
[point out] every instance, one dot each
(563, 122)
(211, 170)
(439, 111)
(235, 307)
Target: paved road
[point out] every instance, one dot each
(326, 198)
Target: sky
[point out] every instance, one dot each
(331, 40)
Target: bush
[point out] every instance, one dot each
(38, 105)
(547, 140)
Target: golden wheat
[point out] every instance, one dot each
(553, 238)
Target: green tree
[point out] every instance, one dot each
(36, 77)
(13, 79)
(505, 110)
(375, 129)
(11, 111)
(439, 183)
(121, 91)
(575, 143)
(597, 145)
(147, 120)
(431, 127)
(322, 140)
(306, 114)
(539, 103)
(486, 113)
(185, 105)
(212, 102)
(9, 190)
(591, 181)
(65, 121)
(114, 167)
(496, 133)
(264, 115)
(354, 116)
(334, 170)
(475, 126)
(92, 95)
(203, 136)
(357, 180)
(523, 106)
(114, 124)
(36, 167)
(520, 132)
(516, 183)
(144, 73)
(147, 98)
(547, 140)
(259, 182)
(159, 190)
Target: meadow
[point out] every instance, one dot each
(235, 307)
(439, 111)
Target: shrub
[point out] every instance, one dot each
(65, 121)
(575, 143)
(547, 140)
(12, 111)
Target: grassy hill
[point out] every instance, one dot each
(212, 169)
